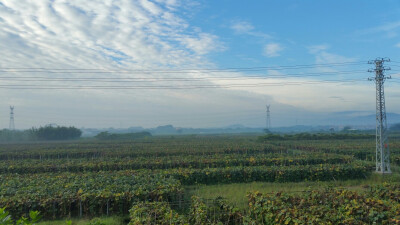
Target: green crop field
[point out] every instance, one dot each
(236, 179)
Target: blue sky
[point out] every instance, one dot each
(351, 28)
(168, 35)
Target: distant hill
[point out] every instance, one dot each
(357, 120)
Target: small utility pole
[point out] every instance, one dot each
(12, 126)
(382, 148)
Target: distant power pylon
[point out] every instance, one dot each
(268, 120)
(12, 126)
(382, 148)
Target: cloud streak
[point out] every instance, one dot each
(246, 28)
(273, 50)
(390, 29)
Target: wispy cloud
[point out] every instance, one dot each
(322, 55)
(313, 49)
(390, 29)
(242, 27)
(246, 28)
(273, 49)
(203, 44)
(337, 98)
(398, 45)
(327, 57)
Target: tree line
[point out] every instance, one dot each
(317, 136)
(46, 133)
(125, 136)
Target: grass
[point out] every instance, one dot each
(112, 220)
(235, 194)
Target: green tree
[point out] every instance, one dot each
(57, 133)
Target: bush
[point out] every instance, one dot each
(5, 218)
(154, 213)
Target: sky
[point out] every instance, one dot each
(204, 63)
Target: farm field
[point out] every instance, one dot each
(222, 179)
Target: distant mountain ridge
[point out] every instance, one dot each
(356, 119)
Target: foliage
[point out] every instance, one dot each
(96, 221)
(56, 133)
(90, 178)
(218, 212)
(63, 194)
(156, 148)
(188, 161)
(5, 218)
(319, 136)
(395, 127)
(322, 172)
(126, 136)
(321, 207)
(16, 135)
(154, 213)
(34, 217)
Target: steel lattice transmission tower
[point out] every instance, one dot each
(382, 148)
(12, 126)
(268, 121)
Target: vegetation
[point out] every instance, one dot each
(56, 133)
(319, 136)
(16, 136)
(126, 136)
(63, 194)
(325, 207)
(40, 134)
(189, 161)
(216, 211)
(168, 180)
(5, 218)
(378, 205)
(395, 127)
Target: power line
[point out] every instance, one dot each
(88, 70)
(33, 86)
(150, 80)
(141, 79)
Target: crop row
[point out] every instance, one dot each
(114, 164)
(322, 207)
(329, 206)
(63, 194)
(91, 193)
(321, 172)
(361, 149)
(131, 149)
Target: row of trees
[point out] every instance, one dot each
(40, 134)
(317, 136)
(56, 133)
(125, 136)
(395, 127)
